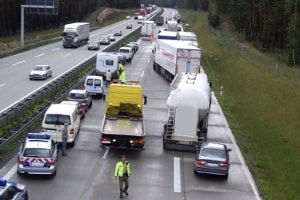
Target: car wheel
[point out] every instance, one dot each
(91, 104)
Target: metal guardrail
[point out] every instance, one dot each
(50, 91)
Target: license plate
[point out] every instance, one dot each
(212, 165)
(50, 131)
(36, 164)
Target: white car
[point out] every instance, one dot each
(37, 155)
(40, 72)
(111, 37)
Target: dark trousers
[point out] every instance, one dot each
(123, 179)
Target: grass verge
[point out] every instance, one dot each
(262, 110)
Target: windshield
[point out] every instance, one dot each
(38, 68)
(57, 119)
(69, 34)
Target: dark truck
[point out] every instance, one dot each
(159, 21)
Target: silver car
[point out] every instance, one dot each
(212, 158)
(40, 72)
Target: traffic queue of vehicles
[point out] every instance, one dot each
(188, 107)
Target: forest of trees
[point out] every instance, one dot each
(273, 25)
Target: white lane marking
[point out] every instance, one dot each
(67, 55)
(18, 63)
(10, 173)
(106, 153)
(2, 84)
(56, 49)
(39, 55)
(148, 60)
(177, 181)
(142, 74)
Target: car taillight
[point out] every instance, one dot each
(72, 131)
(22, 162)
(43, 129)
(223, 165)
(105, 139)
(51, 162)
(200, 162)
(141, 141)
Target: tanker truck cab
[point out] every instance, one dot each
(123, 124)
(55, 117)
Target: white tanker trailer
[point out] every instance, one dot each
(188, 109)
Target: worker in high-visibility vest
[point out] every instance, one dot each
(122, 171)
(122, 76)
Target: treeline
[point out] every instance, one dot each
(68, 11)
(272, 25)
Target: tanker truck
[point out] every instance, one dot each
(76, 34)
(188, 108)
(123, 124)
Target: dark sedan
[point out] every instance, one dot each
(212, 158)
(93, 45)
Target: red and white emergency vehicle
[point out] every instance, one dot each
(37, 155)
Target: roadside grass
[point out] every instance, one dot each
(262, 110)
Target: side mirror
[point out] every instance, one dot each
(145, 100)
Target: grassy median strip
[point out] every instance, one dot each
(263, 112)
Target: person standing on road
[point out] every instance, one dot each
(108, 77)
(64, 135)
(120, 67)
(122, 76)
(122, 171)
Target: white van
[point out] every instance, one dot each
(56, 116)
(94, 85)
(127, 52)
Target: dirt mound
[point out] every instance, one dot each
(105, 14)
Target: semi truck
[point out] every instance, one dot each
(172, 57)
(167, 35)
(147, 29)
(172, 26)
(159, 21)
(123, 123)
(188, 36)
(188, 109)
(76, 34)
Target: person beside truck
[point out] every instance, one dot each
(64, 138)
(108, 77)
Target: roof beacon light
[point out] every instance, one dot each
(38, 136)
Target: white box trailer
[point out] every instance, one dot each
(172, 26)
(188, 36)
(167, 35)
(147, 29)
(76, 34)
(173, 57)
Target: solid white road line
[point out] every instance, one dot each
(177, 181)
(10, 173)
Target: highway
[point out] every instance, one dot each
(87, 173)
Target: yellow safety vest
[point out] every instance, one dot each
(119, 170)
(122, 76)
